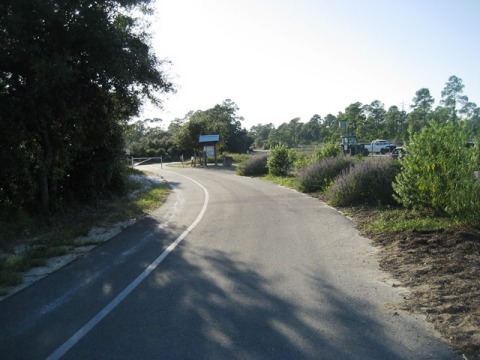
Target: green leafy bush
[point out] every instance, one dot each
(367, 182)
(329, 150)
(305, 159)
(302, 160)
(318, 176)
(255, 166)
(438, 174)
(280, 161)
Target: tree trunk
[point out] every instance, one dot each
(45, 172)
(44, 193)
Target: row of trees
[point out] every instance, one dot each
(71, 75)
(368, 122)
(146, 139)
(372, 121)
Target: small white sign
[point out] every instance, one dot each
(209, 150)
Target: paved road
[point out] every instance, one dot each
(228, 268)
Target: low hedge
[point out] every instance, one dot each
(319, 175)
(367, 182)
(255, 166)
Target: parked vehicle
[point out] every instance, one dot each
(398, 153)
(380, 147)
(350, 145)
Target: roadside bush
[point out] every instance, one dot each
(438, 174)
(255, 166)
(302, 160)
(329, 150)
(318, 176)
(305, 159)
(367, 182)
(280, 161)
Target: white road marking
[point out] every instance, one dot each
(65, 347)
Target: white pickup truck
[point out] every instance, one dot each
(380, 147)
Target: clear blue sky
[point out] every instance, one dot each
(281, 59)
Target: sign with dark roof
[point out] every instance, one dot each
(208, 138)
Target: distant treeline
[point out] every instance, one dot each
(372, 121)
(368, 122)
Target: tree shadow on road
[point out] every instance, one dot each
(204, 304)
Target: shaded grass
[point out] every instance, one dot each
(8, 279)
(29, 243)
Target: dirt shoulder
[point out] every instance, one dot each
(442, 270)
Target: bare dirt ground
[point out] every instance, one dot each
(442, 270)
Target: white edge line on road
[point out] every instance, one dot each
(65, 347)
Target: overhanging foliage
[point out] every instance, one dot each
(71, 74)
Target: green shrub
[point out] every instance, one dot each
(255, 166)
(329, 150)
(438, 174)
(367, 182)
(16, 262)
(302, 160)
(9, 278)
(280, 161)
(318, 176)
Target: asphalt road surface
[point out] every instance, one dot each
(228, 268)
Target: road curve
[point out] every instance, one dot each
(233, 268)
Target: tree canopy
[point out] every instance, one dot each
(71, 74)
(223, 120)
